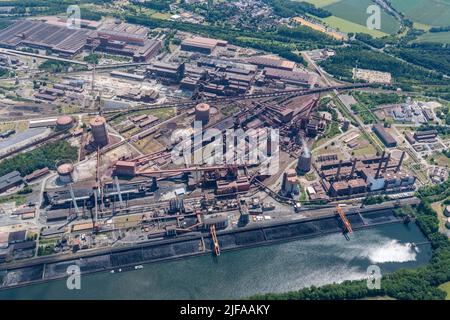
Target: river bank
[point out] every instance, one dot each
(236, 274)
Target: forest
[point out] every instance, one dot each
(347, 58)
(287, 8)
(430, 56)
(45, 156)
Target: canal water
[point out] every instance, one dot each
(237, 274)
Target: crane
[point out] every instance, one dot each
(215, 240)
(347, 225)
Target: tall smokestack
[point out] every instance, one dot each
(353, 168)
(379, 165)
(400, 162)
(338, 171)
(387, 162)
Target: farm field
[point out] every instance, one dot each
(356, 11)
(430, 12)
(347, 26)
(441, 37)
(351, 16)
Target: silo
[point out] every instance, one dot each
(304, 162)
(65, 173)
(99, 131)
(202, 111)
(64, 123)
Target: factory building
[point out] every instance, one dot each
(291, 77)
(202, 111)
(37, 34)
(304, 162)
(343, 188)
(10, 180)
(190, 83)
(227, 187)
(68, 87)
(37, 174)
(385, 137)
(57, 215)
(136, 94)
(428, 114)
(99, 131)
(202, 45)
(168, 72)
(219, 221)
(425, 136)
(125, 168)
(84, 196)
(125, 39)
(266, 62)
(370, 174)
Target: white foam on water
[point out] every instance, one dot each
(392, 251)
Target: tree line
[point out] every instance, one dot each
(288, 8)
(346, 58)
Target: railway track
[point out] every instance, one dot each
(192, 103)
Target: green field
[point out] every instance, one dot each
(441, 37)
(430, 12)
(347, 26)
(356, 11)
(351, 16)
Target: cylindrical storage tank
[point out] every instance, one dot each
(202, 111)
(447, 211)
(64, 123)
(65, 172)
(304, 162)
(99, 131)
